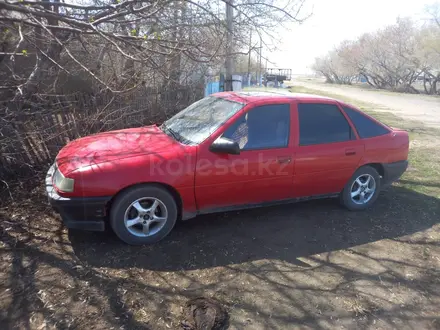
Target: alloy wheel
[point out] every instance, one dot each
(363, 189)
(145, 216)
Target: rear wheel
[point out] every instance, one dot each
(362, 190)
(143, 215)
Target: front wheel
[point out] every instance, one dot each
(143, 215)
(362, 190)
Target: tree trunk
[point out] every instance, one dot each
(43, 69)
(176, 57)
(44, 66)
(424, 85)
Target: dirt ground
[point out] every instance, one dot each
(423, 108)
(311, 265)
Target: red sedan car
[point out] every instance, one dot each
(231, 150)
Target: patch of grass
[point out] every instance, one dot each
(423, 174)
(357, 306)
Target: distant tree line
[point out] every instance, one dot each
(392, 58)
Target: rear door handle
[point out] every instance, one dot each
(284, 160)
(350, 152)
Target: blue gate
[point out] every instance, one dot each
(212, 87)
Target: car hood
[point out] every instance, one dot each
(113, 145)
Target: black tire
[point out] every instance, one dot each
(345, 197)
(125, 199)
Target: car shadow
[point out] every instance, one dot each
(285, 232)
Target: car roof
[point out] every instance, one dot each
(252, 96)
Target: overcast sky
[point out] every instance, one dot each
(334, 21)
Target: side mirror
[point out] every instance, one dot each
(225, 145)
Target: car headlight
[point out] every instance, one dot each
(61, 182)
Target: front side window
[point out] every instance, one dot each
(202, 118)
(262, 127)
(321, 123)
(366, 127)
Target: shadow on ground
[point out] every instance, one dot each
(285, 232)
(310, 265)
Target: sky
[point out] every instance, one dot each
(333, 21)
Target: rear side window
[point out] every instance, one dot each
(322, 123)
(366, 127)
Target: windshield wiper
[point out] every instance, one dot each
(174, 134)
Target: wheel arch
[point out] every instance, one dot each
(378, 167)
(173, 191)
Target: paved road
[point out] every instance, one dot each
(417, 107)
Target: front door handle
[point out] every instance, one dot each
(284, 160)
(350, 152)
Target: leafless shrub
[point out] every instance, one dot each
(73, 68)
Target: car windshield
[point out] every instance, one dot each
(198, 121)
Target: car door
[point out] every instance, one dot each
(262, 172)
(328, 150)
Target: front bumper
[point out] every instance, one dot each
(86, 213)
(393, 171)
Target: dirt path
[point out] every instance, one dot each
(416, 107)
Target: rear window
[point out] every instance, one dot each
(366, 127)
